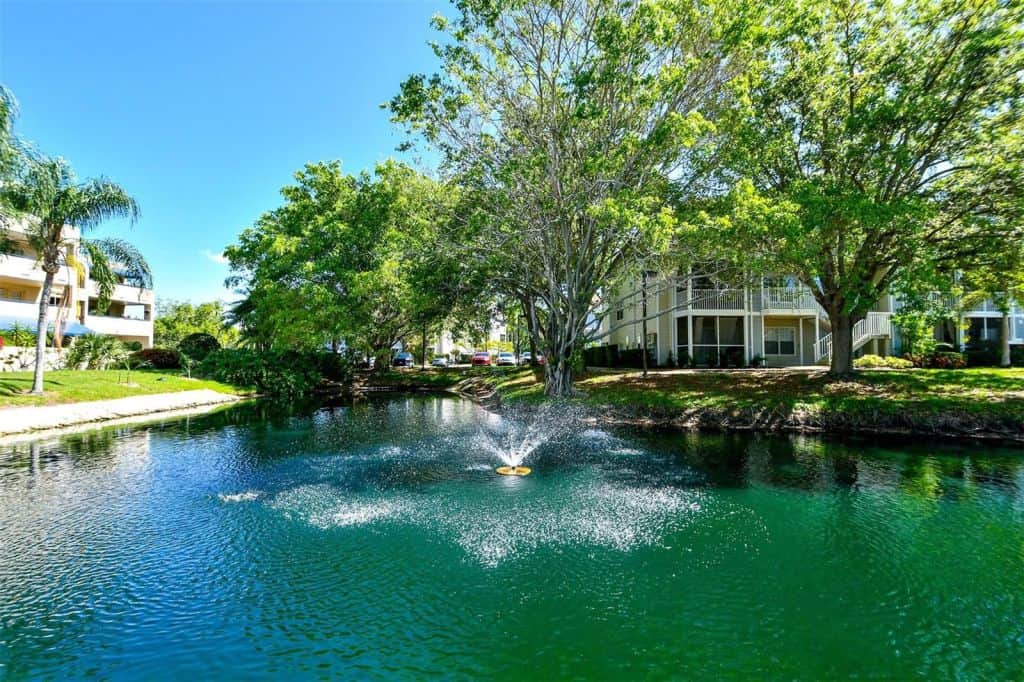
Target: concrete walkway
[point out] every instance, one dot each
(17, 420)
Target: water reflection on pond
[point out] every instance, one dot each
(377, 540)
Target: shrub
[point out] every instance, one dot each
(157, 358)
(133, 346)
(877, 361)
(95, 351)
(197, 346)
(284, 374)
(20, 335)
(945, 360)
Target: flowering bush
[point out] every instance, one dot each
(877, 361)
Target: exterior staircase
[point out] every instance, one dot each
(874, 326)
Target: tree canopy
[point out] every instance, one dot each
(873, 140)
(349, 258)
(176, 320)
(563, 121)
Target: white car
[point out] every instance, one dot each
(439, 361)
(506, 359)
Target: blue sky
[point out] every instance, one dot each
(203, 110)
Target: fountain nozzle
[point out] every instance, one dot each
(514, 471)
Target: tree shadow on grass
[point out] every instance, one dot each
(19, 386)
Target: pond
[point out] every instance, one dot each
(377, 541)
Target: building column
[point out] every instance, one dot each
(747, 345)
(689, 332)
(800, 337)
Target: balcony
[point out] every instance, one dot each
(789, 299)
(712, 299)
(27, 310)
(119, 326)
(124, 293)
(26, 269)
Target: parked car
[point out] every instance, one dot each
(506, 359)
(525, 358)
(481, 358)
(403, 360)
(439, 361)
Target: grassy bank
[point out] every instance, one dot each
(970, 402)
(72, 386)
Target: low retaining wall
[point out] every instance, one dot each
(21, 359)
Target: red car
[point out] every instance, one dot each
(481, 358)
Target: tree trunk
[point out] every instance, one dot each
(423, 347)
(1005, 360)
(531, 327)
(558, 377)
(842, 344)
(643, 317)
(44, 304)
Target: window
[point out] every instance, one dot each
(984, 329)
(619, 314)
(718, 340)
(780, 341)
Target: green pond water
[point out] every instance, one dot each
(376, 541)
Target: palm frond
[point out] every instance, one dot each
(125, 259)
(92, 202)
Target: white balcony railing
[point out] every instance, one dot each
(715, 299)
(788, 298)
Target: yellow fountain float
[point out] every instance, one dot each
(514, 471)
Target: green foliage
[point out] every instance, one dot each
(917, 331)
(96, 351)
(177, 319)
(563, 154)
(157, 358)
(133, 346)
(869, 142)
(287, 374)
(20, 335)
(358, 258)
(198, 345)
(877, 361)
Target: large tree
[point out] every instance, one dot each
(50, 200)
(874, 140)
(177, 319)
(563, 120)
(351, 258)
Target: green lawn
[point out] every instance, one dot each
(988, 399)
(72, 386)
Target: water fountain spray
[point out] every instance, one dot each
(517, 436)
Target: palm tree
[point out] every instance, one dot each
(9, 152)
(50, 198)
